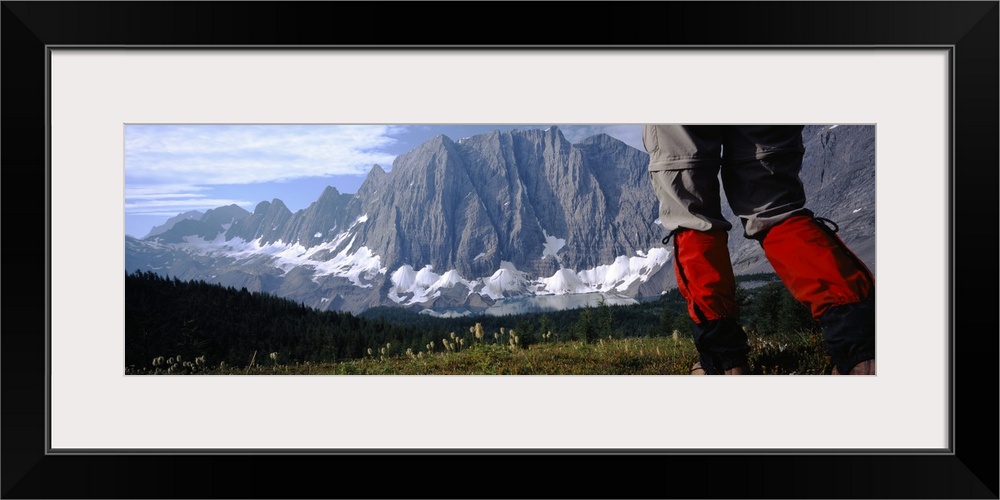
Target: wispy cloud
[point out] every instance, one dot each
(243, 154)
(158, 190)
(176, 168)
(177, 206)
(172, 199)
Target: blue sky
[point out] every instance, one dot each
(170, 169)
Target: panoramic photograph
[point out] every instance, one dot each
(483, 249)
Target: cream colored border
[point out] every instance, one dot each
(904, 93)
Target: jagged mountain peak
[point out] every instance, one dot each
(427, 154)
(162, 228)
(438, 141)
(376, 177)
(262, 207)
(230, 211)
(601, 139)
(267, 206)
(491, 216)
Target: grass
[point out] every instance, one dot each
(791, 354)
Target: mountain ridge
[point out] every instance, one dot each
(524, 201)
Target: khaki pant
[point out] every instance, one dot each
(759, 167)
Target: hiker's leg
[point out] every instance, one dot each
(822, 273)
(705, 279)
(761, 177)
(684, 170)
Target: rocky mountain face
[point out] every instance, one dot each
(162, 228)
(838, 173)
(461, 225)
(472, 204)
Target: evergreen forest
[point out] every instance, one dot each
(196, 320)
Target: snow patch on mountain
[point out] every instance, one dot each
(421, 286)
(552, 244)
(564, 281)
(450, 279)
(338, 257)
(506, 281)
(353, 266)
(360, 267)
(625, 271)
(412, 287)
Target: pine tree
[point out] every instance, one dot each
(586, 330)
(605, 321)
(667, 319)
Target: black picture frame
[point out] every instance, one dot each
(969, 28)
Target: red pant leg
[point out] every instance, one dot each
(816, 265)
(705, 279)
(705, 274)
